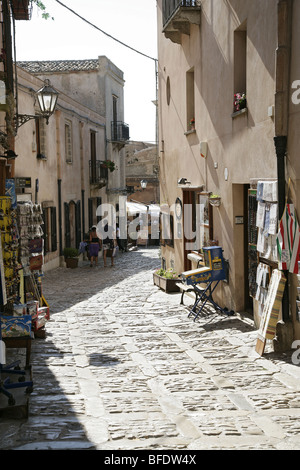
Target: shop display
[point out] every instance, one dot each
(274, 246)
(24, 311)
(263, 275)
(266, 220)
(288, 240)
(10, 245)
(29, 218)
(271, 310)
(12, 327)
(262, 239)
(298, 295)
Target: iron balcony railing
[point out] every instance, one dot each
(170, 6)
(119, 131)
(98, 173)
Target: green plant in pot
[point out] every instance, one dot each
(166, 279)
(71, 257)
(167, 273)
(110, 165)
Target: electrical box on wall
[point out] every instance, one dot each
(271, 111)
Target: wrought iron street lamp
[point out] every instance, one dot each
(144, 184)
(47, 98)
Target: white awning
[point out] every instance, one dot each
(135, 208)
(139, 208)
(154, 210)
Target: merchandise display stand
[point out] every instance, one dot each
(23, 308)
(298, 297)
(262, 247)
(271, 311)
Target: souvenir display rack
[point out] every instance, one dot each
(262, 230)
(29, 217)
(23, 308)
(298, 295)
(9, 244)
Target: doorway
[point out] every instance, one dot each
(197, 222)
(241, 265)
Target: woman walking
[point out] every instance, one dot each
(109, 243)
(94, 246)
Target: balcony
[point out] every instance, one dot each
(119, 133)
(178, 15)
(98, 173)
(21, 9)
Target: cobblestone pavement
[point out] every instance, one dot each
(122, 367)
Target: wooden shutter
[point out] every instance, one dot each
(67, 225)
(78, 223)
(53, 229)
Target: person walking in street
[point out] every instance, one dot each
(119, 240)
(94, 246)
(109, 243)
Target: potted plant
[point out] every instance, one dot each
(214, 200)
(71, 257)
(109, 165)
(166, 280)
(240, 102)
(192, 123)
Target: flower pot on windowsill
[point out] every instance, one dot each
(240, 102)
(192, 124)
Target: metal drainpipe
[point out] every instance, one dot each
(282, 80)
(281, 147)
(59, 218)
(83, 212)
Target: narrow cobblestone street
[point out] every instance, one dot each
(122, 367)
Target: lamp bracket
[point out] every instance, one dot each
(21, 119)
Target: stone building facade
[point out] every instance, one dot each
(68, 156)
(142, 165)
(226, 123)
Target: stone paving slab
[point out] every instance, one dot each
(122, 367)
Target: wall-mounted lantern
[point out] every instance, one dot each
(47, 98)
(144, 184)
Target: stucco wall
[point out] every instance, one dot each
(74, 176)
(242, 145)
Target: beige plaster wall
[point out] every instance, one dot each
(243, 144)
(74, 176)
(95, 89)
(141, 160)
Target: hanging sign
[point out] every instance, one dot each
(24, 182)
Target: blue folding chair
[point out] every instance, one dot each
(211, 274)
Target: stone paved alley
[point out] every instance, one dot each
(122, 367)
